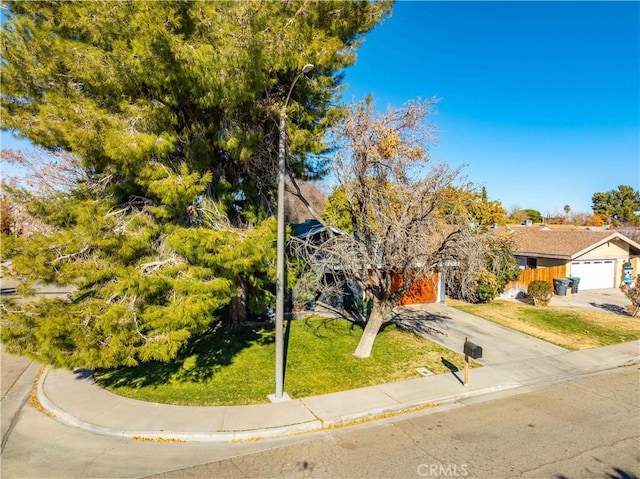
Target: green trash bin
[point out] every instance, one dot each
(574, 282)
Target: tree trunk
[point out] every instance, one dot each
(375, 322)
(238, 306)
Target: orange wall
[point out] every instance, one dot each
(423, 291)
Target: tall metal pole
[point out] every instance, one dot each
(280, 259)
(280, 264)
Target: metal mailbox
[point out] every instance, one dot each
(472, 350)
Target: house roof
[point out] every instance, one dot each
(310, 228)
(563, 243)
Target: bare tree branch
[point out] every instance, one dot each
(86, 249)
(153, 266)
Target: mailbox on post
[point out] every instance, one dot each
(473, 351)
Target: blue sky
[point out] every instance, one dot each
(539, 99)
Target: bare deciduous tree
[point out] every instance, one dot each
(311, 193)
(36, 174)
(395, 200)
(44, 172)
(630, 231)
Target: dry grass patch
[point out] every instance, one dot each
(570, 328)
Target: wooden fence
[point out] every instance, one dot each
(533, 274)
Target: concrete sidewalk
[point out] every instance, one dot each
(75, 399)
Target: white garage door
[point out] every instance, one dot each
(595, 274)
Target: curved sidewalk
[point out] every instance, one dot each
(75, 399)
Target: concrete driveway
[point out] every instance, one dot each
(449, 327)
(610, 300)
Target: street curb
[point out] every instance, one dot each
(321, 424)
(21, 389)
(168, 436)
(317, 425)
(375, 414)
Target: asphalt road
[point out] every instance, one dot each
(580, 429)
(584, 429)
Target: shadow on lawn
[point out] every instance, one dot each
(324, 328)
(197, 361)
(415, 320)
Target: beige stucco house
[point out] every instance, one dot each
(595, 255)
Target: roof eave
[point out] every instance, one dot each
(611, 237)
(542, 255)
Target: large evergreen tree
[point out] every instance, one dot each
(125, 83)
(621, 206)
(171, 110)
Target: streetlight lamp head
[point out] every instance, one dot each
(307, 68)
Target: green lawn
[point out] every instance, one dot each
(570, 328)
(225, 368)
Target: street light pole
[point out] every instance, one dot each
(280, 272)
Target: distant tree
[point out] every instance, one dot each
(575, 218)
(619, 206)
(631, 232)
(42, 171)
(556, 219)
(336, 211)
(596, 220)
(467, 201)
(533, 215)
(516, 215)
(297, 210)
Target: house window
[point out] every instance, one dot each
(532, 263)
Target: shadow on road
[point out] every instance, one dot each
(421, 322)
(617, 474)
(82, 373)
(612, 308)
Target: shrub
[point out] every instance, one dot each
(539, 292)
(633, 294)
(488, 287)
(304, 284)
(362, 306)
